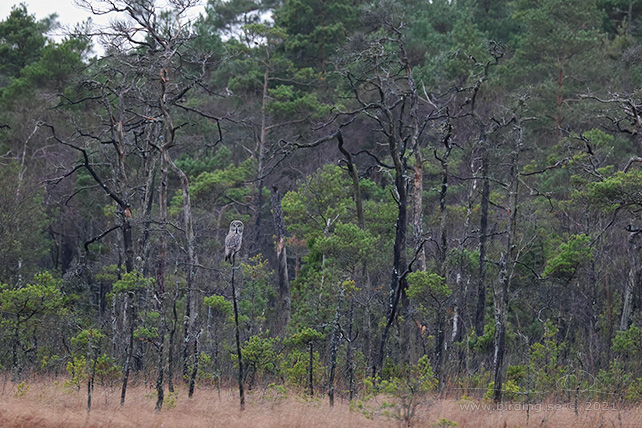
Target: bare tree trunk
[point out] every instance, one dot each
(633, 280)
(282, 317)
(118, 137)
(160, 280)
(128, 242)
(130, 303)
(483, 236)
(626, 305)
(192, 380)
(311, 369)
(350, 354)
(501, 311)
(417, 208)
(170, 347)
(191, 311)
(160, 392)
(334, 344)
(358, 200)
(92, 359)
(260, 154)
(443, 223)
(506, 268)
(160, 366)
(16, 369)
(398, 284)
(238, 341)
(192, 259)
(455, 328)
(367, 334)
(464, 279)
(440, 340)
(148, 201)
(356, 188)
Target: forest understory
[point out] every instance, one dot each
(48, 403)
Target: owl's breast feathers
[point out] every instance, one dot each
(232, 246)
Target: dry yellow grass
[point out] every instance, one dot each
(49, 404)
(549, 415)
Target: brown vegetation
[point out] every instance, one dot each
(50, 404)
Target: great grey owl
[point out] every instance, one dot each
(233, 240)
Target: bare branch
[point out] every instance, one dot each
(88, 166)
(99, 237)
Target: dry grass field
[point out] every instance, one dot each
(49, 405)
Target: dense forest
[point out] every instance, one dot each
(434, 195)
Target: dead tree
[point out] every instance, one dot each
(282, 309)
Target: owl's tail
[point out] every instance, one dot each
(229, 256)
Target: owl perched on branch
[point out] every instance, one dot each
(233, 240)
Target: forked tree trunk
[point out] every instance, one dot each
(356, 188)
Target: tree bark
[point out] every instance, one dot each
(170, 346)
(311, 369)
(483, 236)
(501, 310)
(160, 392)
(92, 359)
(633, 280)
(333, 347)
(398, 284)
(192, 380)
(506, 268)
(356, 188)
(160, 280)
(131, 304)
(238, 342)
(191, 311)
(443, 191)
(440, 340)
(417, 208)
(260, 155)
(350, 354)
(282, 317)
(16, 370)
(147, 203)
